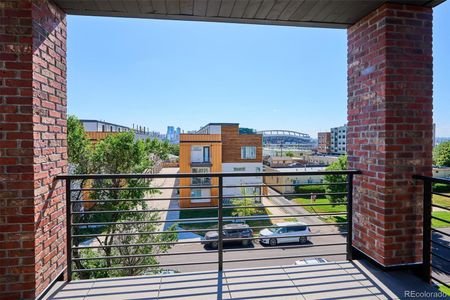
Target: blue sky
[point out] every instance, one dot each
(157, 73)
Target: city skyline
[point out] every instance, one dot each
(190, 74)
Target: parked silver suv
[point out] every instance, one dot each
(230, 232)
(287, 232)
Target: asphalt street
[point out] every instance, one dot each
(287, 254)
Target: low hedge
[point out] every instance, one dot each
(310, 189)
(441, 188)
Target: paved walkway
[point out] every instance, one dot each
(164, 193)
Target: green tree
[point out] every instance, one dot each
(118, 153)
(441, 155)
(241, 209)
(340, 164)
(289, 154)
(79, 146)
(174, 149)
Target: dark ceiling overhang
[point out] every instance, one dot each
(307, 13)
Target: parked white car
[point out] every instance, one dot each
(287, 232)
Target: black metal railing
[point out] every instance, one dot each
(436, 242)
(116, 224)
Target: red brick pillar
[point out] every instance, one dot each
(390, 129)
(32, 146)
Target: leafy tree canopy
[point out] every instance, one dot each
(289, 154)
(441, 154)
(340, 164)
(79, 146)
(117, 153)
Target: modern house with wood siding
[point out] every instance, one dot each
(219, 147)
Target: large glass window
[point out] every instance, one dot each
(206, 156)
(200, 193)
(248, 152)
(200, 154)
(200, 180)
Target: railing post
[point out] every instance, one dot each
(220, 221)
(69, 228)
(349, 216)
(426, 247)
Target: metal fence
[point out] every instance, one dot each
(436, 242)
(114, 228)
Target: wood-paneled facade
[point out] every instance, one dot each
(224, 148)
(215, 165)
(232, 143)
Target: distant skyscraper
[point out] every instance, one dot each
(173, 135)
(170, 133)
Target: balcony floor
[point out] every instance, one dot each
(334, 280)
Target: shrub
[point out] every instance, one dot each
(308, 189)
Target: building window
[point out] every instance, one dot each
(248, 152)
(200, 193)
(200, 154)
(239, 169)
(200, 180)
(252, 191)
(196, 193)
(206, 152)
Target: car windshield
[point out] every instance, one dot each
(274, 230)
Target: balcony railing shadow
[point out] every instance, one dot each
(337, 280)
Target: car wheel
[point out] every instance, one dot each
(245, 243)
(273, 242)
(214, 245)
(303, 240)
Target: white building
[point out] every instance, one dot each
(339, 140)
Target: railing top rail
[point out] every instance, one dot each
(190, 175)
(432, 179)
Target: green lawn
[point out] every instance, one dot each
(443, 215)
(212, 213)
(441, 200)
(324, 209)
(444, 289)
(320, 209)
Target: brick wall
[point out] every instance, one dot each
(50, 148)
(16, 152)
(32, 146)
(390, 128)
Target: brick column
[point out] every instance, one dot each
(32, 146)
(390, 129)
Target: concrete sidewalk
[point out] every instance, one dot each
(165, 193)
